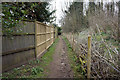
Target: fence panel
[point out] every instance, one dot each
(27, 42)
(20, 47)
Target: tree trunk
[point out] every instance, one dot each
(119, 33)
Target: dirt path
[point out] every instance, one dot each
(60, 67)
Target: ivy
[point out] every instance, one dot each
(11, 18)
(15, 12)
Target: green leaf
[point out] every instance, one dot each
(22, 11)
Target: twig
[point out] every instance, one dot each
(107, 62)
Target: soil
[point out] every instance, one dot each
(60, 67)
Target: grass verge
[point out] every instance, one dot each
(74, 61)
(35, 68)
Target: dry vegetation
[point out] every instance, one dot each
(102, 25)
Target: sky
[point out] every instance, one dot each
(60, 5)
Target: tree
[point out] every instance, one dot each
(15, 12)
(119, 26)
(39, 11)
(75, 19)
(91, 7)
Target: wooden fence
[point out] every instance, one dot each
(33, 39)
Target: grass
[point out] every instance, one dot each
(35, 68)
(76, 67)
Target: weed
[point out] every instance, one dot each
(36, 70)
(37, 61)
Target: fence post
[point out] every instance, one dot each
(89, 57)
(46, 37)
(35, 39)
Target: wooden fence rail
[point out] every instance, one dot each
(33, 39)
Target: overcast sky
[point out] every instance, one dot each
(58, 5)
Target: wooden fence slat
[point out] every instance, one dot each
(17, 50)
(20, 34)
(35, 39)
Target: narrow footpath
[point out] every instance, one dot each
(60, 67)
